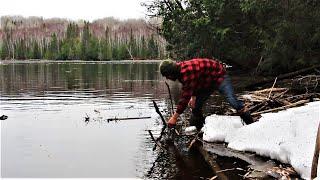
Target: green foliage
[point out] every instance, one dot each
(34, 51)
(20, 49)
(285, 33)
(52, 51)
(152, 48)
(4, 51)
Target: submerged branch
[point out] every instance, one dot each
(129, 118)
(155, 141)
(158, 111)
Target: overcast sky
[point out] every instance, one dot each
(74, 9)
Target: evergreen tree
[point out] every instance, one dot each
(20, 49)
(93, 49)
(34, 51)
(4, 51)
(105, 46)
(143, 48)
(152, 48)
(85, 41)
(52, 51)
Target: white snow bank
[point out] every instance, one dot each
(217, 127)
(288, 136)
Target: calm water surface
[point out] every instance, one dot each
(46, 134)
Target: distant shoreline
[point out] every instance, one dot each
(76, 61)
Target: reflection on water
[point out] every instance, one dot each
(45, 134)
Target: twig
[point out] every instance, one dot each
(157, 143)
(194, 140)
(172, 111)
(231, 169)
(159, 138)
(157, 110)
(272, 87)
(214, 177)
(268, 89)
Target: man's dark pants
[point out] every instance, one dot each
(225, 88)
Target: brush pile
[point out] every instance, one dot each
(275, 99)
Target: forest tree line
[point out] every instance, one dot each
(60, 39)
(272, 36)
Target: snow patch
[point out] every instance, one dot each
(288, 136)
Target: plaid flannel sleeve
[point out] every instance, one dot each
(184, 99)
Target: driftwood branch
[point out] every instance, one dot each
(314, 167)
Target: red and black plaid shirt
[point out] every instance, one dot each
(196, 75)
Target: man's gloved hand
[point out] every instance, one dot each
(172, 122)
(192, 102)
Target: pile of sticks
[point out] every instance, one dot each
(275, 99)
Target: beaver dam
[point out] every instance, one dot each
(281, 144)
(74, 120)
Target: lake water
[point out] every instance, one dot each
(46, 135)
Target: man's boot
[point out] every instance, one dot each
(245, 116)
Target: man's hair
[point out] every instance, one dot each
(169, 68)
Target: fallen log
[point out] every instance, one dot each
(210, 159)
(260, 167)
